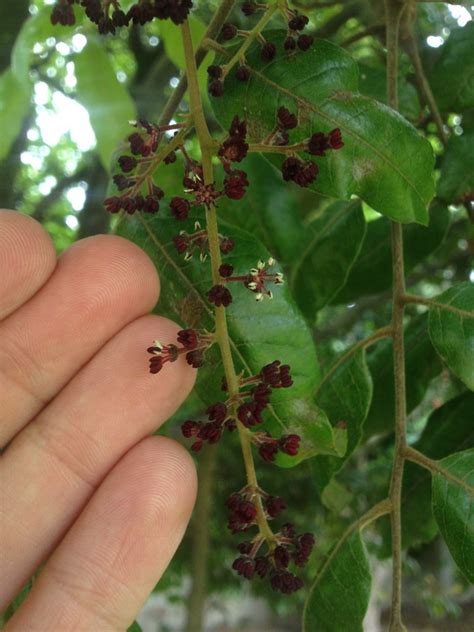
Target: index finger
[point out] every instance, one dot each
(27, 259)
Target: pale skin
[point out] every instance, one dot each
(86, 494)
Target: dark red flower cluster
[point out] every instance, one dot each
(287, 548)
(268, 447)
(108, 15)
(320, 143)
(210, 431)
(256, 279)
(189, 243)
(296, 23)
(234, 148)
(302, 172)
(143, 144)
(193, 346)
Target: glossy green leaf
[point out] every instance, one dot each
(339, 596)
(457, 168)
(452, 334)
(107, 101)
(453, 507)
(345, 397)
(384, 160)
(452, 76)
(135, 627)
(372, 272)
(449, 429)
(422, 364)
(14, 104)
(373, 83)
(327, 259)
(259, 332)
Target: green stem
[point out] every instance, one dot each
(255, 32)
(420, 300)
(207, 146)
(435, 468)
(383, 332)
(215, 25)
(394, 10)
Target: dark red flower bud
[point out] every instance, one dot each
(197, 445)
(119, 18)
(113, 204)
(181, 243)
(289, 43)
(286, 119)
(228, 31)
(190, 428)
(281, 557)
(217, 412)
(219, 295)
(286, 582)
(242, 73)
(122, 182)
(335, 139)
(301, 172)
(244, 566)
(298, 22)
(226, 245)
(170, 158)
(214, 72)
(216, 88)
(268, 51)
(274, 505)
(305, 41)
(188, 338)
(195, 358)
(245, 547)
(318, 144)
(249, 7)
(289, 444)
(249, 414)
(136, 143)
(180, 208)
(268, 450)
(127, 163)
(151, 204)
(262, 565)
(261, 395)
(234, 184)
(226, 269)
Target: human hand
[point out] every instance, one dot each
(83, 486)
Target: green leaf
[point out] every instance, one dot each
(270, 211)
(452, 334)
(259, 332)
(453, 507)
(14, 104)
(339, 596)
(372, 272)
(449, 429)
(384, 160)
(452, 76)
(107, 101)
(135, 627)
(457, 168)
(373, 83)
(327, 258)
(422, 364)
(346, 397)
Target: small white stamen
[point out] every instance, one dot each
(252, 285)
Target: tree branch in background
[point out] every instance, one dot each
(424, 89)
